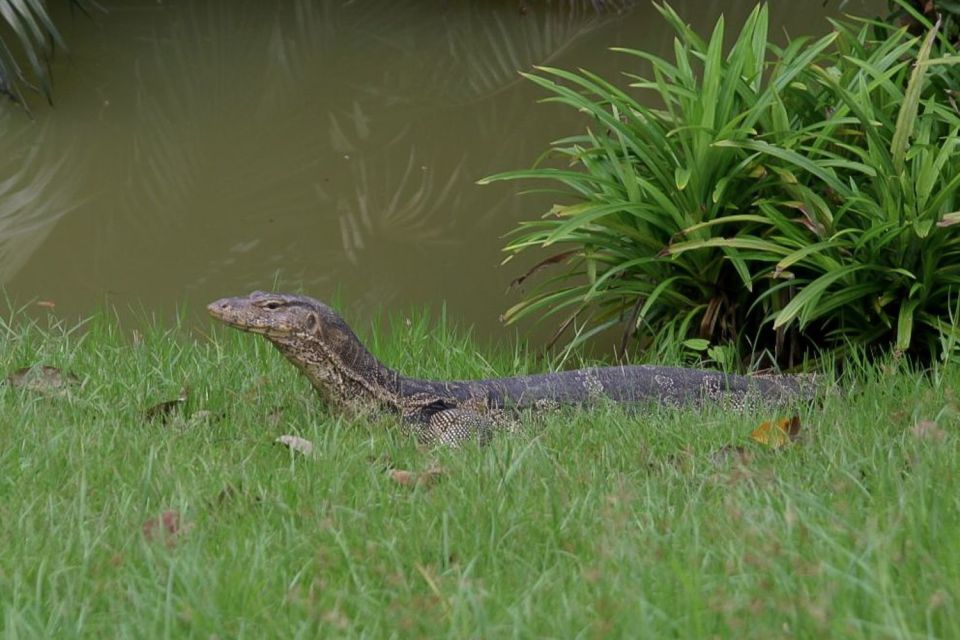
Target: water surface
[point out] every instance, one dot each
(208, 148)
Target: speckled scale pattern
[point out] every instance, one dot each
(454, 427)
(320, 344)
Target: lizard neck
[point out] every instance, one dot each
(348, 376)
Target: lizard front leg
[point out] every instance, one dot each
(453, 427)
(441, 422)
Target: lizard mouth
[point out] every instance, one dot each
(227, 312)
(220, 310)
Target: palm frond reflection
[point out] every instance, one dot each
(36, 191)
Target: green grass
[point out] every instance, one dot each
(595, 524)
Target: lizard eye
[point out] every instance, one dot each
(273, 305)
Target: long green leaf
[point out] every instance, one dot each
(794, 158)
(809, 295)
(907, 116)
(905, 324)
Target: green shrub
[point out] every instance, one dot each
(798, 196)
(919, 15)
(875, 258)
(651, 173)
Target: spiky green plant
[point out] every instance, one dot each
(833, 224)
(876, 259)
(642, 175)
(920, 14)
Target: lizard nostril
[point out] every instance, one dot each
(218, 305)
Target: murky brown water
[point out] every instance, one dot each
(199, 149)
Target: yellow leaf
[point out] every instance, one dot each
(777, 435)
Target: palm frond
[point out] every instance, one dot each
(26, 64)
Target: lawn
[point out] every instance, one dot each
(664, 523)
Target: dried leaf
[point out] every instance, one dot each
(406, 478)
(949, 219)
(47, 304)
(166, 408)
(792, 427)
(928, 430)
(937, 599)
(780, 273)
(43, 379)
(560, 257)
(780, 434)
(167, 527)
(426, 478)
(297, 444)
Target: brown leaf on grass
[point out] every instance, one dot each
(296, 443)
(937, 599)
(43, 379)
(779, 434)
(167, 527)
(166, 408)
(928, 430)
(401, 476)
(426, 478)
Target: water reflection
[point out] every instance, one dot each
(35, 190)
(481, 49)
(231, 145)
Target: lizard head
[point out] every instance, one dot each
(314, 338)
(280, 316)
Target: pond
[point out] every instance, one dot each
(202, 149)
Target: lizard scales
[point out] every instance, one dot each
(317, 341)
